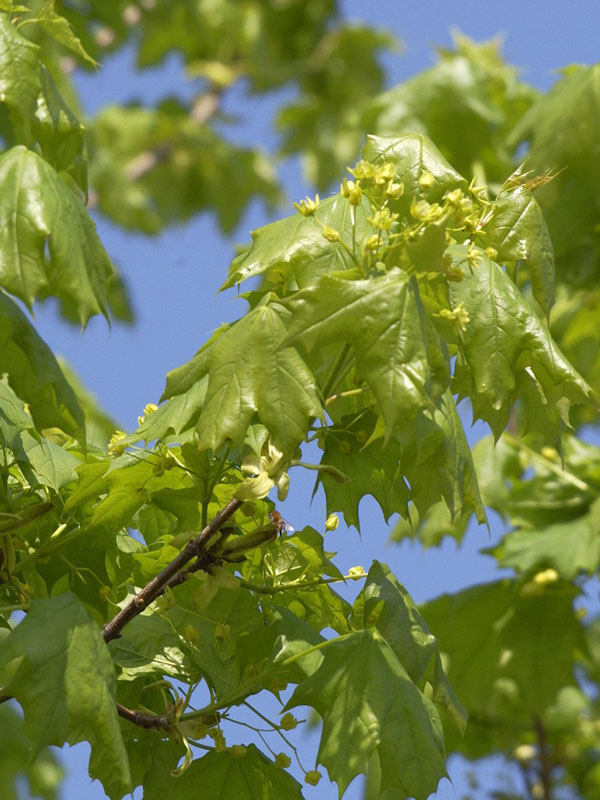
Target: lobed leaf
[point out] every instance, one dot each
(397, 353)
(368, 704)
(61, 673)
(250, 372)
(38, 210)
(34, 374)
(505, 346)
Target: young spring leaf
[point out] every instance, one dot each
(250, 372)
(397, 351)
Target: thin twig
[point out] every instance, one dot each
(194, 549)
(148, 721)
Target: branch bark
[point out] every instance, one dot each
(194, 549)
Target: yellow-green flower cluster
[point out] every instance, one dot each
(307, 207)
(459, 316)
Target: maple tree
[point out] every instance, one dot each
(132, 565)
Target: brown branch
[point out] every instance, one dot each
(4, 698)
(148, 721)
(194, 549)
(545, 763)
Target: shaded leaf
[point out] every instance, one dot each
(385, 604)
(64, 680)
(34, 374)
(368, 703)
(505, 630)
(251, 777)
(373, 468)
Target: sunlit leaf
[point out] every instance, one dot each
(38, 211)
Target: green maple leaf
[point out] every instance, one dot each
(249, 373)
(397, 352)
(368, 703)
(34, 373)
(251, 776)
(296, 248)
(505, 345)
(385, 604)
(508, 630)
(38, 209)
(518, 231)
(60, 671)
(373, 468)
(561, 130)
(437, 462)
(412, 155)
(529, 550)
(19, 81)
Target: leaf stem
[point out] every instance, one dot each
(559, 471)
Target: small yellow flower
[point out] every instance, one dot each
(307, 207)
(330, 234)
(491, 253)
(454, 198)
(362, 171)
(356, 572)
(426, 180)
(221, 631)
(190, 633)
(459, 316)
(288, 722)
(372, 242)
(351, 191)
(114, 448)
(282, 760)
(383, 219)
(238, 750)
(545, 577)
(312, 777)
(394, 190)
(332, 522)
(384, 173)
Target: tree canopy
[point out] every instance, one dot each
(153, 601)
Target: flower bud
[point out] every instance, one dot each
(330, 234)
(312, 777)
(331, 522)
(288, 722)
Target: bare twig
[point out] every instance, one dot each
(148, 721)
(194, 549)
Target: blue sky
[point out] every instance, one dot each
(174, 277)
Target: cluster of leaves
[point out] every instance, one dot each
(373, 313)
